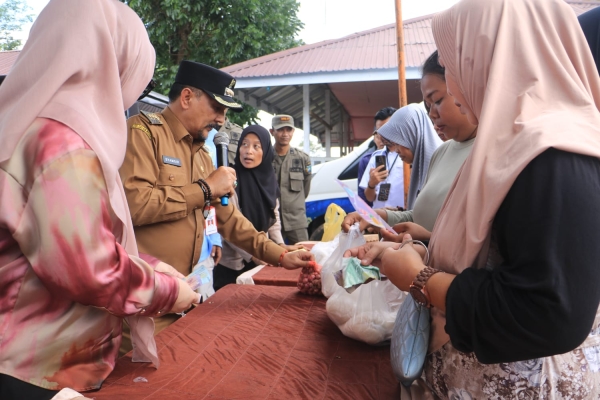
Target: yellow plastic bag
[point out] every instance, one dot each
(334, 216)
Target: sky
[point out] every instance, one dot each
(330, 19)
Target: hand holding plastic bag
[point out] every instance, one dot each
(368, 313)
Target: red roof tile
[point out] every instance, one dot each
(374, 49)
(7, 59)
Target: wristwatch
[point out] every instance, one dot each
(417, 287)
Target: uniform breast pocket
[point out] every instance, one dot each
(171, 176)
(296, 181)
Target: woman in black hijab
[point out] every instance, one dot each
(590, 24)
(256, 197)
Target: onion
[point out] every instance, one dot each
(309, 281)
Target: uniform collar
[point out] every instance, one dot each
(177, 128)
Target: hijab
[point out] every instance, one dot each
(257, 188)
(83, 65)
(411, 127)
(84, 74)
(590, 24)
(527, 74)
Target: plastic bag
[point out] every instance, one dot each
(309, 280)
(333, 262)
(334, 216)
(369, 312)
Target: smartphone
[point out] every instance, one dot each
(380, 160)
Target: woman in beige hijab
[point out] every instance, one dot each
(69, 267)
(515, 309)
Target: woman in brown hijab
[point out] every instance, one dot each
(515, 307)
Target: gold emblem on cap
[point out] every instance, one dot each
(232, 84)
(285, 118)
(228, 92)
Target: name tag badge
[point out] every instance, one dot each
(210, 222)
(171, 161)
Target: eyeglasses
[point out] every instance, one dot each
(386, 142)
(151, 85)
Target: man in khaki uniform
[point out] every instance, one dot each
(233, 131)
(293, 170)
(165, 165)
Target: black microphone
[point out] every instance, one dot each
(221, 142)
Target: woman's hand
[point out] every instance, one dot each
(371, 253)
(401, 266)
(297, 259)
(168, 270)
(415, 231)
(353, 218)
(185, 298)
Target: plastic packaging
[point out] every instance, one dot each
(369, 312)
(334, 216)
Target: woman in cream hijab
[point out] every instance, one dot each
(515, 311)
(69, 267)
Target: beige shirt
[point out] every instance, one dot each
(159, 172)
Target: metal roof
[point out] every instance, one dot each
(7, 59)
(373, 50)
(360, 70)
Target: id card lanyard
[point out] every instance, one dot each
(386, 163)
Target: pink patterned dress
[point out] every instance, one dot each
(65, 280)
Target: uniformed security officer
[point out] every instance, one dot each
(172, 186)
(233, 131)
(293, 170)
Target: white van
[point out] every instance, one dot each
(324, 190)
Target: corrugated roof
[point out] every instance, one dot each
(7, 59)
(374, 49)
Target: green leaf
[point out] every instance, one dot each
(218, 33)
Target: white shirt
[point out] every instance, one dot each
(395, 167)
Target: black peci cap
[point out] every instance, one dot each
(218, 84)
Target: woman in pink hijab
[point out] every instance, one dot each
(515, 306)
(69, 267)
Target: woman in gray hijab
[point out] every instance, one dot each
(410, 133)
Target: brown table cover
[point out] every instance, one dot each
(256, 342)
(276, 276)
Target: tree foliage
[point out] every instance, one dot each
(216, 32)
(12, 17)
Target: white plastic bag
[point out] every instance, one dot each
(333, 263)
(368, 313)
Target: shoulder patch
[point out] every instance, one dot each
(143, 129)
(152, 117)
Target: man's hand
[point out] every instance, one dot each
(416, 231)
(216, 254)
(371, 253)
(377, 175)
(297, 259)
(294, 247)
(221, 181)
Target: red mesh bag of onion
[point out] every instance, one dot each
(309, 281)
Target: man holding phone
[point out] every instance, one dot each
(380, 118)
(384, 184)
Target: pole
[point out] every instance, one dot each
(306, 118)
(402, 83)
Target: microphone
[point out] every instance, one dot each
(221, 142)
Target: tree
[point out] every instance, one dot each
(218, 33)
(12, 17)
